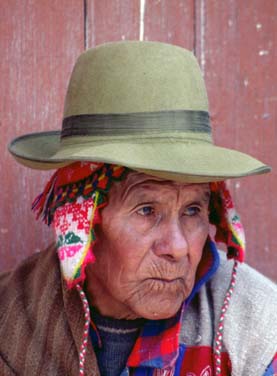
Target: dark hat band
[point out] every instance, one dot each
(136, 123)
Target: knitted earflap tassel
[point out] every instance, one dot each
(83, 349)
(229, 230)
(219, 333)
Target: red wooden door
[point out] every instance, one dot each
(235, 44)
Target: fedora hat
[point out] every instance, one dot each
(142, 105)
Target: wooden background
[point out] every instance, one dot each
(235, 43)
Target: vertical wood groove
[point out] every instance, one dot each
(194, 27)
(85, 25)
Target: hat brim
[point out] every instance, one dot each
(181, 161)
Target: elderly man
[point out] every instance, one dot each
(135, 284)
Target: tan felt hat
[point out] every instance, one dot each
(142, 105)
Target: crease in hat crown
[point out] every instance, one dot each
(142, 105)
(131, 77)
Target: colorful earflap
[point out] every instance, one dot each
(223, 215)
(71, 201)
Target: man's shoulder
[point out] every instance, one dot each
(250, 330)
(250, 284)
(254, 298)
(25, 294)
(33, 318)
(29, 272)
(22, 288)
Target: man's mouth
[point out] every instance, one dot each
(167, 280)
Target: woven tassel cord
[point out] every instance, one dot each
(84, 345)
(220, 328)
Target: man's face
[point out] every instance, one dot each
(149, 245)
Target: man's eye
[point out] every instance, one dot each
(192, 211)
(145, 211)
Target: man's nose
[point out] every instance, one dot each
(171, 242)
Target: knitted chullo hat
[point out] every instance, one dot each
(72, 200)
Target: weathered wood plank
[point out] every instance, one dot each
(39, 44)
(111, 20)
(235, 45)
(170, 22)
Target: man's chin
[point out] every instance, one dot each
(158, 312)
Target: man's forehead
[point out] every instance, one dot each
(136, 181)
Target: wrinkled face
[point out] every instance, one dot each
(149, 245)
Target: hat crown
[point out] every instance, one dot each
(134, 77)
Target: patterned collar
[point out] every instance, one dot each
(158, 343)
